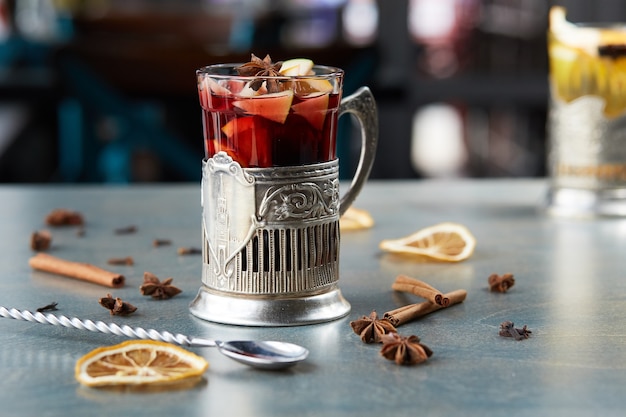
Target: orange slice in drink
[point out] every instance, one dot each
(251, 141)
(138, 362)
(450, 242)
(355, 219)
(238, 126)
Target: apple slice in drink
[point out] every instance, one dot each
(308, 86)
(313, 108)
(274, 106)
(203, 95)
(207, 89)
(302, 67)
(316, 84)
(204, 92)
(248, 91)
(296, 66)
(216, 87)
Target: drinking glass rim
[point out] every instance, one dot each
(329, 72)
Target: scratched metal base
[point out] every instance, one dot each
(228, 309)
(585, 203)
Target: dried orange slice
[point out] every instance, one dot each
(138, 362)
(450, 242)
(355, 219)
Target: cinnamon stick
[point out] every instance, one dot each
(413, 311)
(78, 270)
(421, 289)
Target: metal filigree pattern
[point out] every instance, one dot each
(300, 201)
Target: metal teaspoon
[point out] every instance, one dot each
(258, 354)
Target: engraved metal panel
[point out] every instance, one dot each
(276, 230)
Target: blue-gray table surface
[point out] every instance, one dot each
(570, 290)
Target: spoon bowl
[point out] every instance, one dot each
(270, 355)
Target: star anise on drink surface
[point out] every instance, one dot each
(501, 283)
(157, 289)
(371, 328)
(404, 350)
(116, 306)
(264, 69)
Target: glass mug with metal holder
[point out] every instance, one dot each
(270, 190)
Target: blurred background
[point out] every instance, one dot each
(105, 90)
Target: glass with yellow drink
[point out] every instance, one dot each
(587, 118)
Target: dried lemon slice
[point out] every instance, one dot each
(138, 362)
(355, 219)
(451, 242)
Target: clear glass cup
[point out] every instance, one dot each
(293, 126)
(587, 118)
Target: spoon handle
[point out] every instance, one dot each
(102, 327)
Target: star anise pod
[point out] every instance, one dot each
(157, 289)
(404, 350)
(64, 217)
(507, 329)
(371, 328)
(40, 240)
(501, 283)
(264, 69)
(116, 306)
(48, 307)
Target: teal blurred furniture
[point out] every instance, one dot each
(83, 156)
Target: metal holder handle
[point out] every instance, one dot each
(362, 105)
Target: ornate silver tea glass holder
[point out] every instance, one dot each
(280, 265)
